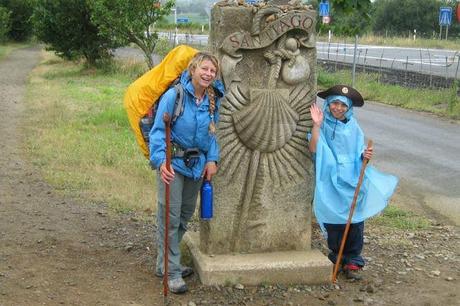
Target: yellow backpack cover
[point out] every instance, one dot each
(146, 90)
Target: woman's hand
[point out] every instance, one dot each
(368, 153)
(316, 115)
(166, 176)
(209, 170)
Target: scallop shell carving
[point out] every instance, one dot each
(268, 122)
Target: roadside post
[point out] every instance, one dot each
(176, 41)
(353, 72)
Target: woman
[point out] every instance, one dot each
(195, 156)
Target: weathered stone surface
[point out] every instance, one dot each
(264, 188)
(284, 267)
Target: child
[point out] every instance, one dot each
(337, 144)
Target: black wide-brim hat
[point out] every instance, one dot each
(343, 90)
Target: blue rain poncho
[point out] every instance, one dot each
(338, 164)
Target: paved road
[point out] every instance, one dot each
(422, 150)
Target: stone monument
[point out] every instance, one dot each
(261, 230)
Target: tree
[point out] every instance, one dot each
(66, 26)
(349, 17)
(131, 21)
(401, 17)
(21, 10)
(5, 23)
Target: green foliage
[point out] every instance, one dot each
(66, 27)
(131, 21)
(5, 23)
(348, 17)
(395, 17)
(163, 47)
(21, 10)
(453, 101)
(349, 6)
(166, 24)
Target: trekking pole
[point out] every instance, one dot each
(350, 216)
(167, 121)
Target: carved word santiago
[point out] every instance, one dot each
(277, 28)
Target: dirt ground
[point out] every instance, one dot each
(56, 250)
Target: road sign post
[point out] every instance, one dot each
(324, 11)
(324, 8)
(445, 19)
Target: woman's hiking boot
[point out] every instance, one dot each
(186, 271)
(177, 285)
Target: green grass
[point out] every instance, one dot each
(452, 44)
(440, 102)
(80, 136)
(395, 217)
(7, 48)
(192, 17)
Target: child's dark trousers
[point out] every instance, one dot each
(353, 245)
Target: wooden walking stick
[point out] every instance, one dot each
(350, 216)
(167, 121)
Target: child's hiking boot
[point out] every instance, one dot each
(352, 272)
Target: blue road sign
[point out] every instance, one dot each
(252, 1)
(445, 16)
(182, 20)
(324, 8)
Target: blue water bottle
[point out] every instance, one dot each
(206, 200)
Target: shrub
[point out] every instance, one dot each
(66, 26)
(21, 26)
(5, 23)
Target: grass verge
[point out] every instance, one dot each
(78, 133)
(409, 42)
(401, 219)
(6, 49)
(443, 102)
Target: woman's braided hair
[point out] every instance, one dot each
(197, 60)
(212, 108)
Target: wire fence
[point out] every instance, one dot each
(185, 38)
(409, 67)
(406, 78)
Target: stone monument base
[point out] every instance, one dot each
(289, 267)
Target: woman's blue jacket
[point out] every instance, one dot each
(190, 130)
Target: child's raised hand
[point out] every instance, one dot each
(368, 153)
(316, 115)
